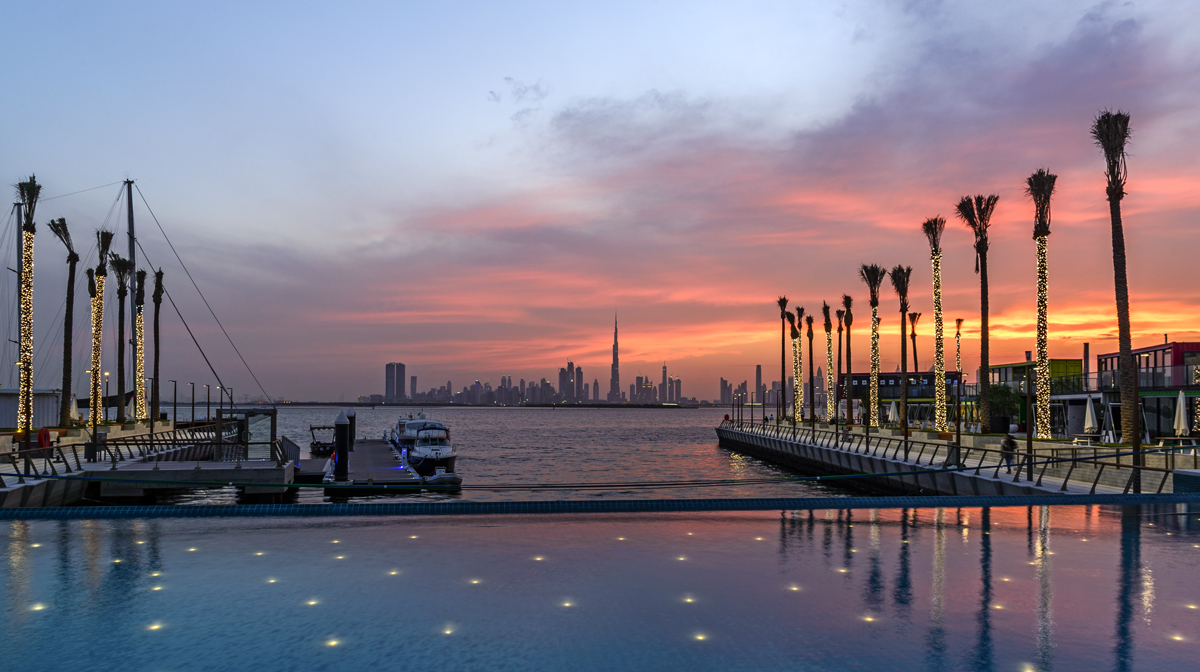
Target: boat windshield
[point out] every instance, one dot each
(433, 441)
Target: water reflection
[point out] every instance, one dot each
(1131, 551)
(984, 655)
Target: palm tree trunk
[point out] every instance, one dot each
(849, 393)
(830, 387)
(64, 409)
(985, 371)
(939, 349)
(120, 357)
(797, 381)
(916, 364)
(812, 389)
(781, 403)
(1125, 361)
(904, 380)
(1043, 350)
(837, 406)
(97, 402)
(874, 366)
(154, 398)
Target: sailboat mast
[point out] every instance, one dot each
(132, 278)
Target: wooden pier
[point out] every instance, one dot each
(372, 462)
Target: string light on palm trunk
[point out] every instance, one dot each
(797, 377)
(139, 364)
(25, 401)
(1043, 353)
(97, 337)
(939, 351)
(829, 383)
(874, 366)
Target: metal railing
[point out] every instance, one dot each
(957, 458)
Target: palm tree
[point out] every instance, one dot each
(912, 320)
(1040, 187)
(958, 347)
(829, 387)
(122, 267)
(976, 212)
(139, 347)
(29, 192)
(812, 390)
(1111, 132)
(782, 302)
(873, 275)
(933, 228)
(96, 290)
(900, 276)
(59, 228)
(847, 304)
(841, 314)
(154, 398)
(797, 398)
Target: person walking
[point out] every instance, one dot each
(1008, 448)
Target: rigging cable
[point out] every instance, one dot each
(206, 304)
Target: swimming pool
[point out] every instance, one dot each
(1064, 588)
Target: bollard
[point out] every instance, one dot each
(351, 416)
(341, 452)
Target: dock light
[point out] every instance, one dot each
(997, 606)
(689, 534)
(312, 603)
(682, 558)
(448, 629)
(117, 560)
(620, 538)
(393, 573)
(539, 558)
(37, 607)
(339, 557)
(793, 587)
(154, 626)
(701, 637)
(1191, 606)
(843, 571)
(141, 542)
(566, 604)
(335, 541)
(473, 581)
(413, 537)
(270, 580)
(1177, 638)
(191, 549)
(155, 573)
(758, 538)
(868, 619)
(156, 588)
(35, 545)
(689, 599)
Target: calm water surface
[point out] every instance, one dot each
(542, 445)
(1006, 589)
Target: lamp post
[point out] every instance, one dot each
(192, 417)
(174, 403)
(207, 403)
(220, 400)
(106, 396)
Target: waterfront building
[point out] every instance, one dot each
(595, 389)
(726, 396)
(758, 386)
(580, 386)
(678, 391)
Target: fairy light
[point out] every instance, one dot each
(874, 366)
(1043, 354)
(829, 384)
(939, 351)
(1196, 381)
(797, 379)
(97, 333)
(139, 364)
(25, 402)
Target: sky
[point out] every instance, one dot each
(476, 189)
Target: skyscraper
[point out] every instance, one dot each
(393, 382)
(580, 386)
(413, 382)
(758, 386)
(568, 386)
(595, 389)
(614, 385)
(662, 388)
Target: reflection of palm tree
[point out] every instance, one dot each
(848, 303)
(900, 276)
(977, 213)
(59, 228)
(122, 267)
(812, 389)
(782, 302)
(912, 321)
(1045, 635)
(828, 363)
(873, 275)
(937, 628)
(984, 653)
(1040, 187)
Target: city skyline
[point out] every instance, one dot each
(489, 219)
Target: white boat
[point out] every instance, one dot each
(425, 449)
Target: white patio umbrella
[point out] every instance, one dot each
(1181, 424)
(893, 412)
(75, 409)
(1090, 426)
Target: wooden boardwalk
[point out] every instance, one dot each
(372, 462)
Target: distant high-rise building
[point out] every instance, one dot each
(726, 392)
(614, 385)
(584, 396)
(678, 391)
(671, 390)
(522, 388)
(580, 386)
(413, 386)
(663, 390)
(567, 386)
(393, 382)
(758, 386)
(595, 389)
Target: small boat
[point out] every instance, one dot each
(319, 448)
(424, 448)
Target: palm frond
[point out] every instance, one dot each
(848, 304)
(900, 276)
(808, 320)
(782, 302)
(840, 314)
(795, 331)
(873, 275)
(976, 212)
(103, 242)
(799, 314)
(958, 325)
(1040, 187)
(913, 318)
(1111, 132)
(158, 286)
(123, 268)
(91, 283)
(29, 192)
(139, 299)
(933, 228)
(59, 228)
(828, 321)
